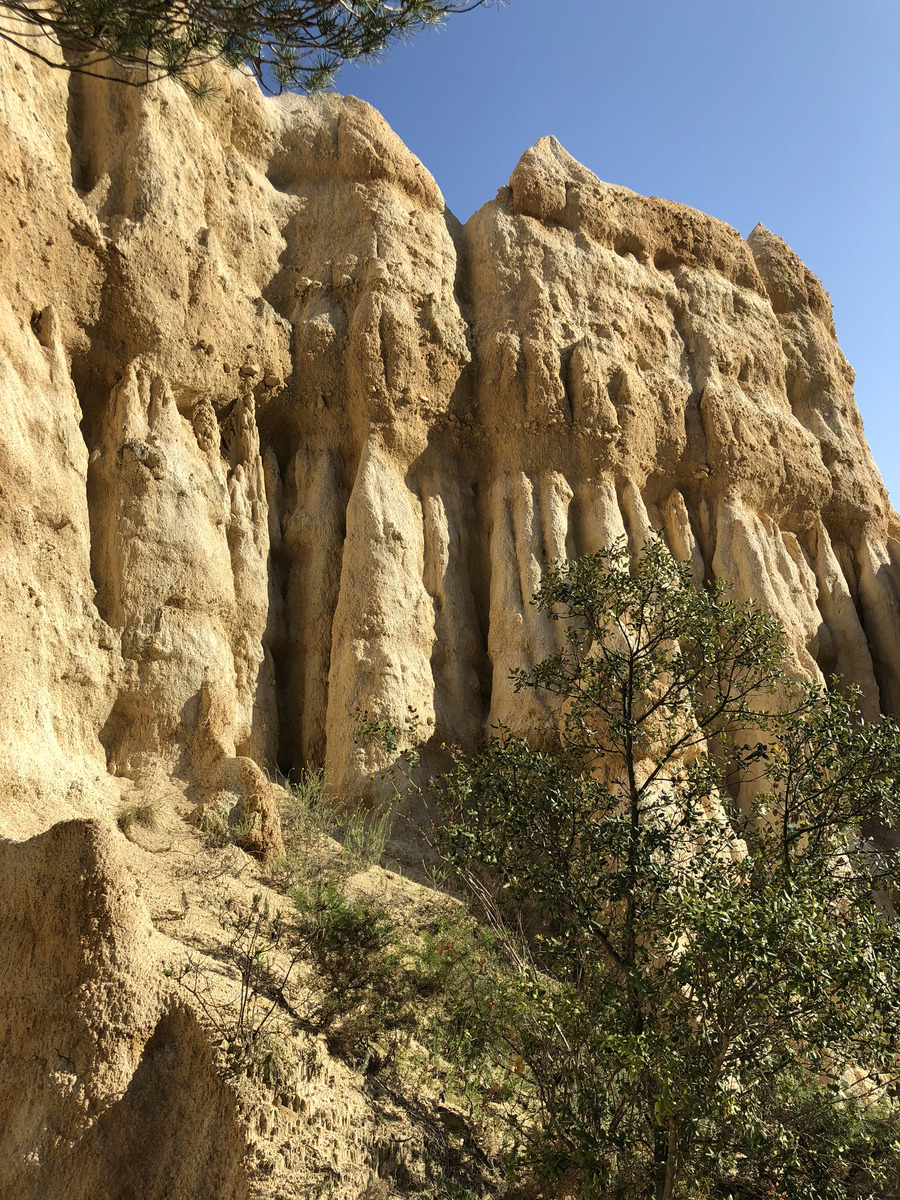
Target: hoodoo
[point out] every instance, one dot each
(283, 441)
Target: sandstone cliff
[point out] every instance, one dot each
(281, 440)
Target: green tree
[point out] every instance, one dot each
(286, 43)
(701, 995)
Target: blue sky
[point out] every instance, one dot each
(780, 111)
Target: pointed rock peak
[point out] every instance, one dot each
(766, 244)
(552, 151)
(162, 413)
(790, 284)
(539, 183)
(760, 236)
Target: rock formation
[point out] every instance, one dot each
(281, 441)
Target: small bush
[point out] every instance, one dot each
(307, 827)
(246, 1026)
(146, 815)
(304, 810)
(322, 841)
(219, 832)
(366, 974)
(365, 837)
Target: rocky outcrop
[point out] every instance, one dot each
(107, 1086)
(281, 442)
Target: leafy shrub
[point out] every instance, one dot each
(701, 997)
(366, 970)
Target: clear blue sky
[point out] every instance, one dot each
(780, 111)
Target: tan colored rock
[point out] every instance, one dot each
(107, 1084)
(110, 1079)
(383, 630)
(255, 815)
(61, 661)
(281, 442)
(640, 341)
(459, 407)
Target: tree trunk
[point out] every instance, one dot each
(671, 1161)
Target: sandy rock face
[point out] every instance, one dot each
(107, 1085)
(284, 443)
